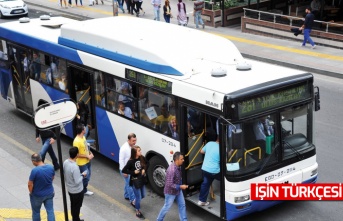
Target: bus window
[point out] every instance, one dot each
(295, 137)
(99, 88)
(35, 66)
(59, 73)
(3, 50)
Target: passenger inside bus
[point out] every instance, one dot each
(111, 100)
(63, 82)
(126, 94)
(172, 130)
(194, 122)
(262, 129)
(161, 122)
(126, 111)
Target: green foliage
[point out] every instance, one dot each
(230, 3)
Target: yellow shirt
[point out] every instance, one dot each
(81, 144)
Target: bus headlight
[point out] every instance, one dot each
(314, 172)
(241, 199)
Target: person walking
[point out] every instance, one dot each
(198, 9)
(167, 11)
(73, 179)
(48, 137)
(182, 14)
(124, 156)
(157, 6)
(84, 157)
(210, 167)
(137, 168)
(41, 188)
(307, 27)
(173, 188)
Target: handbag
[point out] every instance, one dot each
(137, 182)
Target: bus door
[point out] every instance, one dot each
(82, 91)
(20, 61)
(200, 129)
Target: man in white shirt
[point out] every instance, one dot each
(124, 156)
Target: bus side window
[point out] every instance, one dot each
(99, 88)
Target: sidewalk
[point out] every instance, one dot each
(14, 196)
(322, 60)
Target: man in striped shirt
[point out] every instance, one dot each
(173, 188)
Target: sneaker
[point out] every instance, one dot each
(140, 215)
(89, 193)
(203, 203)
(314, 46)
(203, 26)
(302, 45)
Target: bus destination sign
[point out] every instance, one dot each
(150, 81)
(277, 99)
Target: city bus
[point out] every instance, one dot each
(174, 87)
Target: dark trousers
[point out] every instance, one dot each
(76, 200)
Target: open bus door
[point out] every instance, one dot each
(20, 63)
(196, 133)
(82, 90)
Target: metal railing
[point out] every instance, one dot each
(328, 27)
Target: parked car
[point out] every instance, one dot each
(12, 8)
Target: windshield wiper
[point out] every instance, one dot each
(294, 150)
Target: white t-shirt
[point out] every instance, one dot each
(124, 155)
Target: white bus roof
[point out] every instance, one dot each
(183, 55)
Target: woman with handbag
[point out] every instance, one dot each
(137, 167)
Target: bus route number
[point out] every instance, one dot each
(170, 143)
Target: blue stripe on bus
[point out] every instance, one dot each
(40, 44)
(107, 140)
(254, 206)
(135, 62)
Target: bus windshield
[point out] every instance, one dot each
(269, 140)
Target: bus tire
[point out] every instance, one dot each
(157, 174)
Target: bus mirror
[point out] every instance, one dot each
(316, 99)
(237, 139)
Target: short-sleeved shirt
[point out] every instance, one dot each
(212, 160)
(81, 144)
(42, 177)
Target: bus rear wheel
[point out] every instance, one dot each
(157, 174)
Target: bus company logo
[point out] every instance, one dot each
(212, 103)
(288, 191)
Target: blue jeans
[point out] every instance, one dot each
(198, 19)
(307, 37)
(128, 191)
(157, 14)
(167, 18)
(48, 148)
(139, 194)
(36, 204)
(168, 202)
(85, 180)
(206, 183)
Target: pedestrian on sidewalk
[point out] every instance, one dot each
(41, 188)
(140, 3)
(182, 14)
(198, 9)
(84, 157)
(157, 6)
(121, 4)
(80, 3)
(73, 179)
(48, 137)
(307, 27)
(70, 3)
(173, 188)
(65, 3)
(137, 168)
(91, 2)
(124, 156)
(167, 11)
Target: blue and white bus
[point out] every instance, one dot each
(173, 87)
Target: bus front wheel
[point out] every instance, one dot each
(157, 174)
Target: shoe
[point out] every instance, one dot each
(140, 215)
(203, 203)
(127, 198)
(89, 193)
(203, 26)
(123, 10)
(314, 46)
(102, 1)
(90, 5)
(57, 168)
(133, 205)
